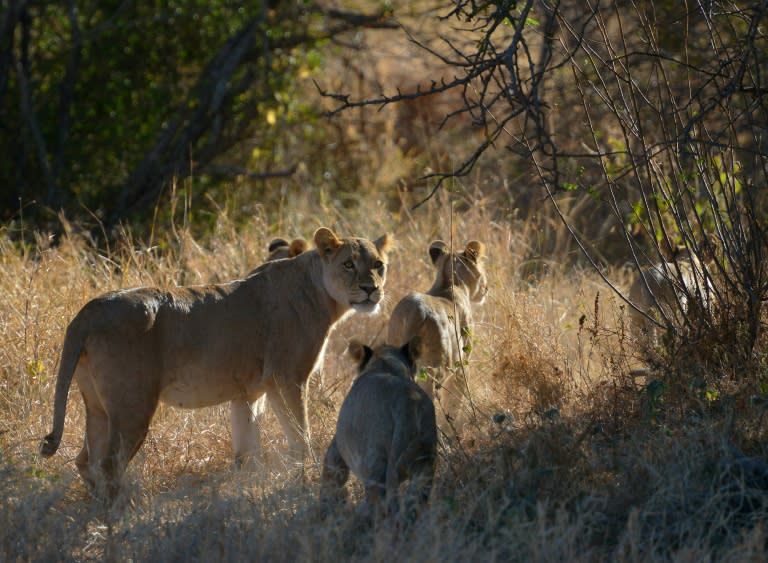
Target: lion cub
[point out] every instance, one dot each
(279, 248)
(442, 317)
(386, 430)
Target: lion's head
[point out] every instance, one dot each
(400, 361)
(356, 269)
(460, 268)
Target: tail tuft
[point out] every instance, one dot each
(50, 445)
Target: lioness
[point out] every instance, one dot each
(200, 346)
(664, 288)
(279, 248)
(443, 319)
(386, 431)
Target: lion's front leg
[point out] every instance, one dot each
(290, 405)
(246, 430)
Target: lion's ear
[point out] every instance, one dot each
(412, 349)
(436, 249)
(298, 246)
(326, 241)
(275, 244)
(474, 250)
(384, 243)
(359, 352)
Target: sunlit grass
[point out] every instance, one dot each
(561, 459)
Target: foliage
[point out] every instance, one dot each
(643, 127)
(106, 103)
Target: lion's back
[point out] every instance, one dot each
(427, 316)
(126, 309)
(377, 409)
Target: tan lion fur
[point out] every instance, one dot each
(279, 249)
(386, 431)
(203, 345)
(663, 289)
(442, 317)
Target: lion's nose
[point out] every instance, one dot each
(369, 289)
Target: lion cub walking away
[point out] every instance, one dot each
(200, 346)
(386, 431)
(442, 317)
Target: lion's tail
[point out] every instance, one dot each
(70, 355)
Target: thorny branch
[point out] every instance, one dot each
(675, 109)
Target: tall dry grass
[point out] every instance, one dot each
(568, 456)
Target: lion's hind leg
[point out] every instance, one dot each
(95, 446)
(96, 438)
(126, 435)
(453, 399)
(374, 479)
(415, 462)
(334, 475)
(422, 473)
(375, 495)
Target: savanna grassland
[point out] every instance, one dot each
(578, 141)
(571, 452)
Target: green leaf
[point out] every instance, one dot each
(35, 368)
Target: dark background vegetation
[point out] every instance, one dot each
(105, 105)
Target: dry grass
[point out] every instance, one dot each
(568, 456)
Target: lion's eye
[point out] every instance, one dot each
(378, 264)
(349, 264)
